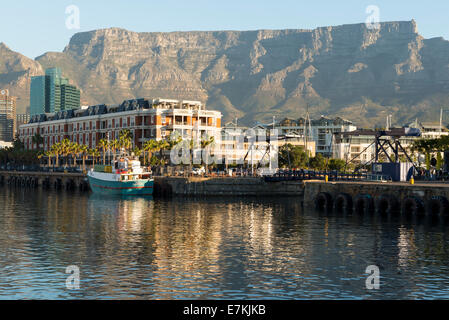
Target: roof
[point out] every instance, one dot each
(127, 105)
(323, 121)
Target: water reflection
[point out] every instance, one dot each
(214, 248)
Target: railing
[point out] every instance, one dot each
(290, 175)
(37, 168)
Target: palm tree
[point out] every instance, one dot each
(137, 152)
(172, 142)
(104, 146)
(56, 150)
(162, 146)
(125, 138)
(113, 146)
(149, 146)
(94, 153)
(74, 149)
(50, 155)
(65, 148)
(40, 155)
(144, 152)
(204, 144)
(84, 151)
(38, 140)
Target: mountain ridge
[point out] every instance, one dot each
(347, 70)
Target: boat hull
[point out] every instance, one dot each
(138, 187)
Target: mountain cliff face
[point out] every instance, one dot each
(15, 72)
(348, 70)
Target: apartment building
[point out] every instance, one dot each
(359, 146)
(320, 132)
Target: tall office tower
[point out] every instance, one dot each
(52, 93)
(38, 97)
(70, 97)
(7, 116)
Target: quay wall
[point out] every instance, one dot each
(163, 186)
(57, 180)
(376, 189)
(242, 186)
(419, 199)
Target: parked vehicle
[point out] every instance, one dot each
(198, 171)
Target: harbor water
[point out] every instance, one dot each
(211, 248)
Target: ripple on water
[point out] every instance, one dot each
(140, 248)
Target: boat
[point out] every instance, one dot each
(124, 177)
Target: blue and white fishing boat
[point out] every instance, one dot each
(125, 177)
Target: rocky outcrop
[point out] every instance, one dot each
(348, 70)
(15, 72)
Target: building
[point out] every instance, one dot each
(320, 132)
(70, 97)
(52, 93)
(359, 146)
(240, 145)
(7, 116)
(430, 130)
(38, 96)
(251, 146)
(356, 147)
(146, 119)
(22, 118)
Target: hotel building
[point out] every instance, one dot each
(147, 119)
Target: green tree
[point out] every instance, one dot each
(17, 144)
(318, 162)
(292, 156)
(440, 161)
(336, 164)
(428, 159)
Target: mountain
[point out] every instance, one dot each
(349, 71)
(15, 72)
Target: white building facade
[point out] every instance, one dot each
(320, 132)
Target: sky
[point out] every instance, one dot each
(35, 27)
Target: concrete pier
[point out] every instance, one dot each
(56, 180)
(225, 186)
(420, 198)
